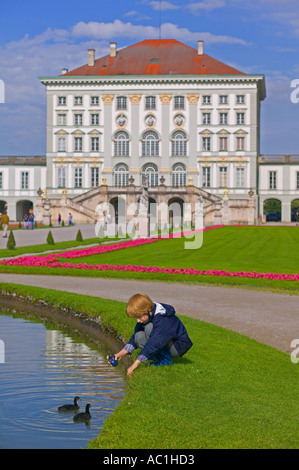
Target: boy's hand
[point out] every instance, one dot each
(133, 367)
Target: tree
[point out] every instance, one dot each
(79, 237)
(50, 239)
(11, 243)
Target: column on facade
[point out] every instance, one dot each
(192, 166)
(108, 163)
(165, 130)
(135, 111)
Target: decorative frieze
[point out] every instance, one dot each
(165, 98)
(135, 99)
(107, 99)
(193, 98)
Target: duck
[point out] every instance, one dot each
(70, 407)
(84, 416)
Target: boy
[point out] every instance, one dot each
(159, 333)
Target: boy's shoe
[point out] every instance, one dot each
(163, 358)
(162, 362)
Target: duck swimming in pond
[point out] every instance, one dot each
(85, 416)
(70, 407)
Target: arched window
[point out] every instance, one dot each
(179, 144)
(121, 145)
(150, 144)
(152, 172)
(121, 175)
(179, 175)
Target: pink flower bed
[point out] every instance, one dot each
(52, 261)
(97, 250)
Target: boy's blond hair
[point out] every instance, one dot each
(138, 305)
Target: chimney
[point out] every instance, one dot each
(200, 47)
(64, 71)
(91, 57)
(112, 50)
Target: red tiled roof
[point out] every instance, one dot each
(156, 57)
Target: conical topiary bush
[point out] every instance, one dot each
(50, 239)
(79, 237)
(11, 243)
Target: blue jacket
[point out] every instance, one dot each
(166, 327)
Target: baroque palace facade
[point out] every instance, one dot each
(160, 109)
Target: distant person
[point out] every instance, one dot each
(25, 219)
(4, 223)
(31, 220)
(59, 219)
(70, 219)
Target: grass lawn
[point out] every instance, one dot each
(261, 249)
(227, 392)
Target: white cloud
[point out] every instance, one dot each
(163, 5)
(206, 5)
(118, 28)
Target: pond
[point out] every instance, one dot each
(44, 368)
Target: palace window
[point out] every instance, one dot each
(222, 143)
(179, 144)
(179, 102)
(223, 118)
(78, 144)
(95, 119)
(94, 100)
(206, 144)
(121, 102)
(297, 179)
(61, 119)
(61, 144)
(206, 118)
(95, 144)
(206, 177)
(240, 141)
(179, 175)
(121, 175)
(150, 144)
(206, 99)
(78, 100)
(95, 177)
(223, 99)
(61, 100)
(24, 180)
(150, 102)
(241, 118)
(121, 145)
(78, 119)
(222, 176)
(1, 180)
(61, 177)
(151, 171)
(240, 177)
(272, 179)
(78, 177)
(240, 99)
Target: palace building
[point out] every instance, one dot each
(160, 109)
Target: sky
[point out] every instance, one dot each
(40, 38)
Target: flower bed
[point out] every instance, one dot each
(52, 261)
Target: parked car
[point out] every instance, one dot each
(272, 217)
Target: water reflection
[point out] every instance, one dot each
(43, 369)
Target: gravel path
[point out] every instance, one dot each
(267, 317)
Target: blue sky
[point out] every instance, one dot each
(40, 38)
